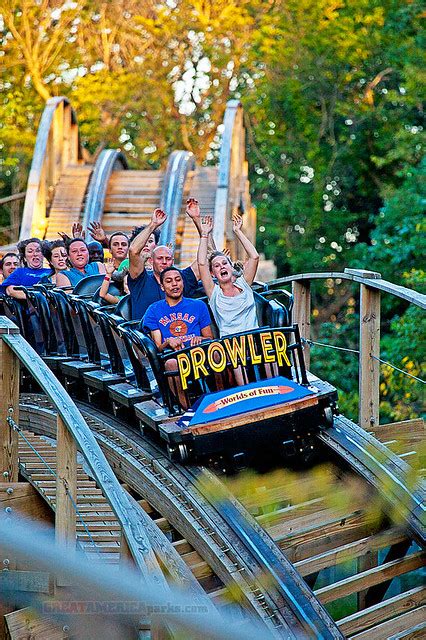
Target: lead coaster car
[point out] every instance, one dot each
(247, 396)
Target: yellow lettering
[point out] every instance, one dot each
(217, 363)
(198, 358)
(184, 367)
(265, 339)
(281, 348)
(255, 359)
(236, 349)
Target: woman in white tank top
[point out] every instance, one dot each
(231, 299)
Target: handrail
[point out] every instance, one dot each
(232, 185)
(178, 166)
(12, 198)
(57, 144)
(130, 518)
(371, 285)
(370, 278)
(106, 163)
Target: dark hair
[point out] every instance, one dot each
(47, 248)
(136, 231)
(11, 253)
(214, 255)
(23, 245)
(166, 270)
(70, 241)
(117, 233)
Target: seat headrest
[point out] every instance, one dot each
(88, 285)
(124, 308)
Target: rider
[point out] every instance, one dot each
(145, 286)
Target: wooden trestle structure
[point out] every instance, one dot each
(64, 188)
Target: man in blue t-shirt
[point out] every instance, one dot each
(145, 286)
(176, 322)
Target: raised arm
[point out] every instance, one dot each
(203, 265)
(96, 231)
(193, 211)
(252, 263)
(103, 291)
(136, 265)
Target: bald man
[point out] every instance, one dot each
(145, 286)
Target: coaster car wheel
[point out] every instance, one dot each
(328, 416)
(178, 453)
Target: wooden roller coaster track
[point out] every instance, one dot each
(277, 562)
(217, 542)
(63, 187)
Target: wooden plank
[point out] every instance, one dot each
(253, 417)
(369, 368)
(9, 406)
(25, 624)
(418, 632)
(320, 540)
(394, 626)
(24, 498)
(404, 293)
(301, 290)
(380, 612)
(374, 576)
(411, 432)
(12, 198)
(349, 551)
(28, 581)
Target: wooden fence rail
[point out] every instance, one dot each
(72, 434)
(371, 286)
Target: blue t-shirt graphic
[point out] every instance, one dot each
(23, 277)
(184, 320)
(145, 290)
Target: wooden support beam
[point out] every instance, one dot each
(66, 483)
(302, 313)
(9, 406)
(395, 626)
(382, 611)
(21, 497)
(369, 368)
(350, 551)
(365, 562)
(376, 593)
(374, 576)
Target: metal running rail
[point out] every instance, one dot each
(381, 468)
(258, 570)
(287, 585)
(108, 161)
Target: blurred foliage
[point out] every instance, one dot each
(334, 117)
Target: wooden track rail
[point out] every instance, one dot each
(63, 188)
(172, 492)
(313, 535)
(57, 146)
(130, 521)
